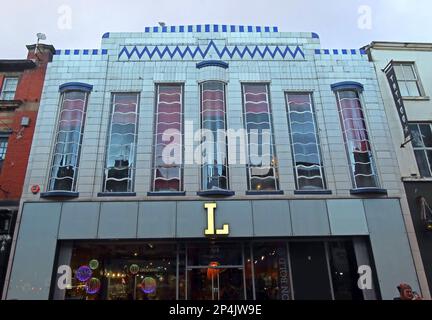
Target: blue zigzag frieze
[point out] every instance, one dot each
(283, 52)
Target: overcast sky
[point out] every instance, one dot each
(76, 24)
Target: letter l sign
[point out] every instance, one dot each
(211, 230)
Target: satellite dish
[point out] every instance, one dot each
(162, 24)
(41, 36)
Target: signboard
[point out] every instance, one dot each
(397, 97)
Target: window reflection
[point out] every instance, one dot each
(213, 116)
(357, 139)
(272, 278)
(216, 270)
(262, 164)
(121, 149)
(305, 142)
(422, 144)
(344, 271)
(64, 168)
(124, 272)
(167, 171)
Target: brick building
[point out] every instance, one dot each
(21, 84)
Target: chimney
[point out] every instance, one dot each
(40, 53)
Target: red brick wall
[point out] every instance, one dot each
(29, 91)
(31, 81)
(18, 151)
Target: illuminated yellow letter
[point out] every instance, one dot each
(211, 230)
(210, 207)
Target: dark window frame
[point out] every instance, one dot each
(424, 149)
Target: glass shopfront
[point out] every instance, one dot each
(213, 270)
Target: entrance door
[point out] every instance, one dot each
(216, 283)
(215, 271)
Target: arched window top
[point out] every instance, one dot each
(347, 85)
(212, 63)
(78, 86)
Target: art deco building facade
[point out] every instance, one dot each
(138, 203)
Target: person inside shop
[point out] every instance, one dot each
(406, 293)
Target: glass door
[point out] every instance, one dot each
(216, 283)
(215, 271)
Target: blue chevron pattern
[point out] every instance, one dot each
(252, 52)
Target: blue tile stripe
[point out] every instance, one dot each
(340, 51)
(196, 51)
(85, 52)
(208, 28)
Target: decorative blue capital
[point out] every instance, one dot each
(75, 86)
(347, 85)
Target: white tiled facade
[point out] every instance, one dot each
(315, 72)
(287, 62)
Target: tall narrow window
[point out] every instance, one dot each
(308, 166)
(356, 137)
(262, 164)
(67, 148)
(3, 149)
(121, 148)
(9, 88)
(214, 172)
(422, 144)
(168, 146)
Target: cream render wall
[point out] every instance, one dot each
(417, 110)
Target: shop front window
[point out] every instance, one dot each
(344, 271)
(215, 270)
(271, 268)
(123, 272)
